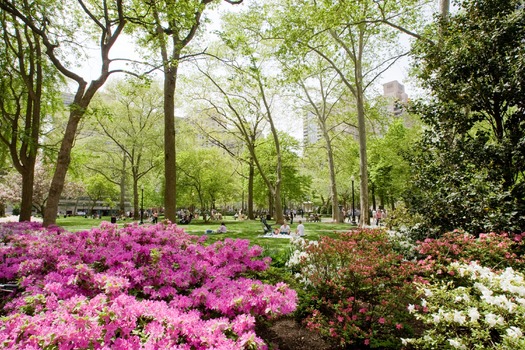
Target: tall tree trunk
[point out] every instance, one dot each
(62, 164)
(136, 213)
(336, 215)
(251, 175)
(170, 165)
(122, 205)
(444, 8)
(270, 204)
(28, 177)
(363, 164)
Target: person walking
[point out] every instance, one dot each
(378, 217)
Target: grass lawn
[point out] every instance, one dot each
(246, 229)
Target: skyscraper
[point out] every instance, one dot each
(395, 93)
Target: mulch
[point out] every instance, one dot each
(287, 334)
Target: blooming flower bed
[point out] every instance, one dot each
(139, 287)
(458, 291)
(478, 308)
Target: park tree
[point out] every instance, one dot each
(206, 177)
(320, 91)
(128, 119)
(295, 185)
(65, 28)
(28, 86)
(166, 28)
(469, 171)
(231, 116)
(353, 39)
(98, 189)
(249, 94)
(389, 167)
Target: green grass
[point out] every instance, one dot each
(246, 229)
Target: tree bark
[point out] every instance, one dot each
(251, 175)
(28, 177)
(122, 206)
(444, 8)
(62, 164)
(170, 165)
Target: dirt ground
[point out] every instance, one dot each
(287, 334)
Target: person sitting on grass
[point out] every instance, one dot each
(284, 229)
(299, 231)
(222, 228)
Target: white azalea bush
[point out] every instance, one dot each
(477, 308)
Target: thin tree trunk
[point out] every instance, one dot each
(363, 164)
(123, 185)
(251, 176)
(336, 215)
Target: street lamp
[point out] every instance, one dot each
(142, 205)
(353, 208)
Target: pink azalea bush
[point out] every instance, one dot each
(139, 287)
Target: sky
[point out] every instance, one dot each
(124, 47)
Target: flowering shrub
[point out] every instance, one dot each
(8, 229)
(151, 287)
(476, 309)
(492, 250)
(360, 288)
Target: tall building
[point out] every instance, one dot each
(395, 93)
(311, 129)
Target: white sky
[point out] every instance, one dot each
(124, 47)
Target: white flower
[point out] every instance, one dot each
(462, 271)
(459, 317)
(521, 301)
(411, 308)
(456, 344)
(473, 314)
(423, 302)
(405, 341)
(514, 332)
(448, 316)
(428, 292)
(493, 320)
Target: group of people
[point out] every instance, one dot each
(286, 230)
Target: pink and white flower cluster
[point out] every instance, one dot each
(140, 287)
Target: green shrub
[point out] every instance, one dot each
(357, 289)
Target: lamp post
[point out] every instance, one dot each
(142, 205)
(353, 208)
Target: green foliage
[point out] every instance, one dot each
(98, 188)
(469, 171)
(358, 289)
(389, 169)
(295, 185)
(206, 176)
